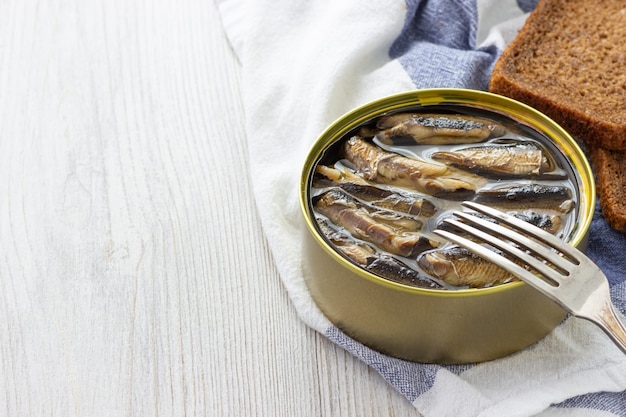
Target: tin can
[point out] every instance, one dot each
(435, 325)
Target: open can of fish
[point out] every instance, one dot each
(381, 178)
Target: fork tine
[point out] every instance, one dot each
(562, 263)
(499, 260)
(528, 228)
(515, 252)
(586, 294)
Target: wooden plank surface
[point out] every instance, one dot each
(135, 279)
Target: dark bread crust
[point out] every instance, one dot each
(569, 62)
(610, 167)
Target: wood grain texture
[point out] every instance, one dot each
(134, 277)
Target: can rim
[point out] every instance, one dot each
(437, 96)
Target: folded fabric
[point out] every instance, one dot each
(304, 64)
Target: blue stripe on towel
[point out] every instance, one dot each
(527, 5)
(614, 402)
(437, 45)
(606, 248)
(411, 379)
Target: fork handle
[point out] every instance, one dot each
(609, 322)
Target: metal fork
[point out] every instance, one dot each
(561, 272)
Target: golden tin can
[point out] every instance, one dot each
(437, 325)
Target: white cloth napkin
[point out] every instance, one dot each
(304, 64)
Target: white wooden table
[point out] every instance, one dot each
(134, 278)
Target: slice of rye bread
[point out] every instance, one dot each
(610, 167)
(569, 62)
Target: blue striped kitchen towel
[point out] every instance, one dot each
(303, 65)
